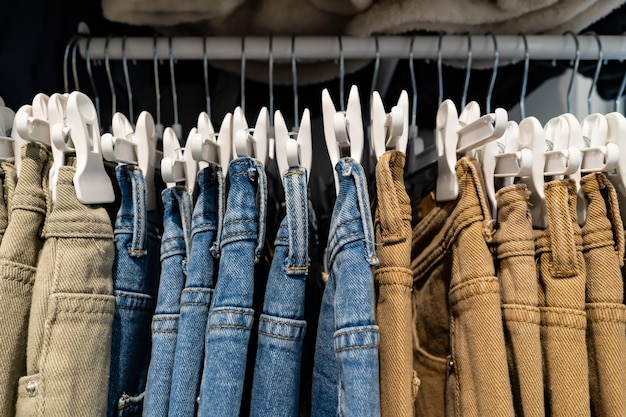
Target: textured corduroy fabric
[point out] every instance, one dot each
(4, 211)
(562, 304)
(459, 349)
(520, 303)
(69, 333)
(19, 252)
(603, 250)
(394, 279)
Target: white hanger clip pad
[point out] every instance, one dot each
(92, 184)
(297, 151)
(214, 148)
(599, 155)
(488, 127)
(389, 131)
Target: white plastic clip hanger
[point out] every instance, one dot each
(292, 152)
(92, 184)
(134, 147)
(208, 147)
(452, 138)
(6, 124)
(34, 126)
(177, 164)
(59, 137)
(616, 134)
(253, 145)
(389, 130)
(343, 130)
(598, 154)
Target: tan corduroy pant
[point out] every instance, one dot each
(69, 334)
(562, 304)
(19, 252)
(520, 310)
(603, 249)
(394, 279)
(459, 349)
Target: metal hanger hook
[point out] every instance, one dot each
(376, 66)
(157, 86)
(66, 58)
(596, 74)
(129, 90)
(173, 77)
(522, 98)
(413, 84)
(440, 69)
(342, 75)
(468, 70)
(74, 67)
(107, 67)
(271, 79)
(570, 88)
(205, 73)
(494, 73)
(92, 80)
(243, 74)
(294, 78)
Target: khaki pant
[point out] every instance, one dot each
(459, 349)
(520, 311)
(69, 334)
(394, 279)
(603, 250)
(19, 252)
(562, 304)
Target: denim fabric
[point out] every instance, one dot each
(135, 284)
(345, 377)
(196, 297)
(175, 247)
(231, 316)
(276, 383)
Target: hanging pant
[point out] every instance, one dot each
(459, 350)
(346, 373)
(196, 297)
(175, 247)
(18, 262)
(135, 284)
(69, 332)
(603, 250)
(520, 310)
(276, 382)
(231, 315)
(395, 282)
(562, 304)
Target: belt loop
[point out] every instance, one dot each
(356, 171)
(262, 190)
(560, 204)
(390, 216)
(140, 214)
(221, 198)
(296, 202)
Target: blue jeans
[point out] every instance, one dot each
(276, 383)
(231, 316)
(345, 377)
(135, 284)
(175, 247)
(196, 297)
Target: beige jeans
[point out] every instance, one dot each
(69, 334)
(459, 349)
(562, 304)
(520, 311)
(603, 249)
(394, 279)
(19, 252)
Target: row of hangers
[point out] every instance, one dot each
(68, 123)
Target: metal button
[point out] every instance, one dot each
(32, 387)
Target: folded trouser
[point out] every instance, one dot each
(195, 298)
(562, 273)
(520, 310)
(19, 253)
(231, 315)
(135, 283)
(69, 332)
(175, 247)
(276, 383)
(394, 278)
(603, 250)
(459, 348)
(346, 373)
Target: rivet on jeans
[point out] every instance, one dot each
(32, 387)
(451, 364)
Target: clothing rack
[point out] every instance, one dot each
(509, 47)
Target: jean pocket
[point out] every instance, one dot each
(75, 357)
(432, 372)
